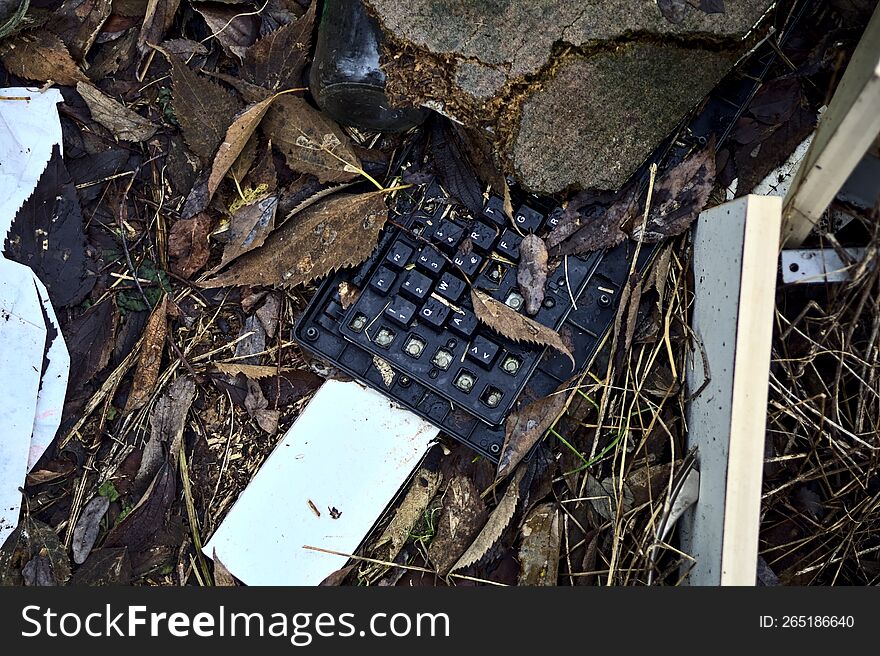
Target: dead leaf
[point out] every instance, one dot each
(167, 423)
(385, 371)
(188, 245)
(252, 371)
(348, 294)
(539, 549)
(424, 486)
(79, 22)
(258, 408)
(85, 533)
(89, 339)
(235, 29)
(184, 48)
(511, 324)
(452, 166)
(276, 61)
(461, 518)
(532, 272)
(235, 139)
(679, 196)
(40, 56)
(337, 578)
(249, 227)
(498, 520)
(47, 235)
(124, 123)
(137, 530)
(104, 567)
(479, 152)
(150, 359)
(525, 426)
(268, 314)
(633, 300)
(115, 56)
(310, 141)
(33, 539)
(339, 232)
(203, 108)
(223, 578)
(251, 341)
(599, 230)
(157, 20)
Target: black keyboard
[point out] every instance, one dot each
(412, 334)
(414, 312)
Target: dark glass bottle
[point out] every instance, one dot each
(346, 80)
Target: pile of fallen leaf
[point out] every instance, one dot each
(201, 192)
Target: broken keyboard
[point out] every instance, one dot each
(412, 332)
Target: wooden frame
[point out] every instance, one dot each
(734, 264)
(846, 131)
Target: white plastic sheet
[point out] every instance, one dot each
(34, 362)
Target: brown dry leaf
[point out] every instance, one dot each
(234, 28)
(235, 139)
(310, 141)
(252, 371)
(184, 48)
(679, 196)
(203, 108)
(223, 578)
(600, 231)
(124, 123)
(341, 231)
(348, 294)
(277, 60)
(494, 527)
(258, 408)
(525, 426)
(79, 22)
(424, 486)
(167, 423)
(157, 20)
(463, 515)
(532, 272)
(39, 544)
(188, 246)
(139, 528)
(152, 347)
(539, 549)
(85, 534)
(40, 56)
(250, 226)
(513, 325)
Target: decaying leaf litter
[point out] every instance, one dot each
(211, 193)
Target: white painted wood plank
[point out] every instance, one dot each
(846, 131)
(735, 255)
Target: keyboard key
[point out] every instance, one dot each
(508, 245)
(483, 351)
(464, 323)
(527, 219)
(430, 260)
(398, 256)
(450, 287)
(334, 309)
(448, 234)
(494, 211)
(554, 218)
(383, 280)
(483, 236)
(433, 313)
(400, 311)
(416, 286)
(468, 263)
